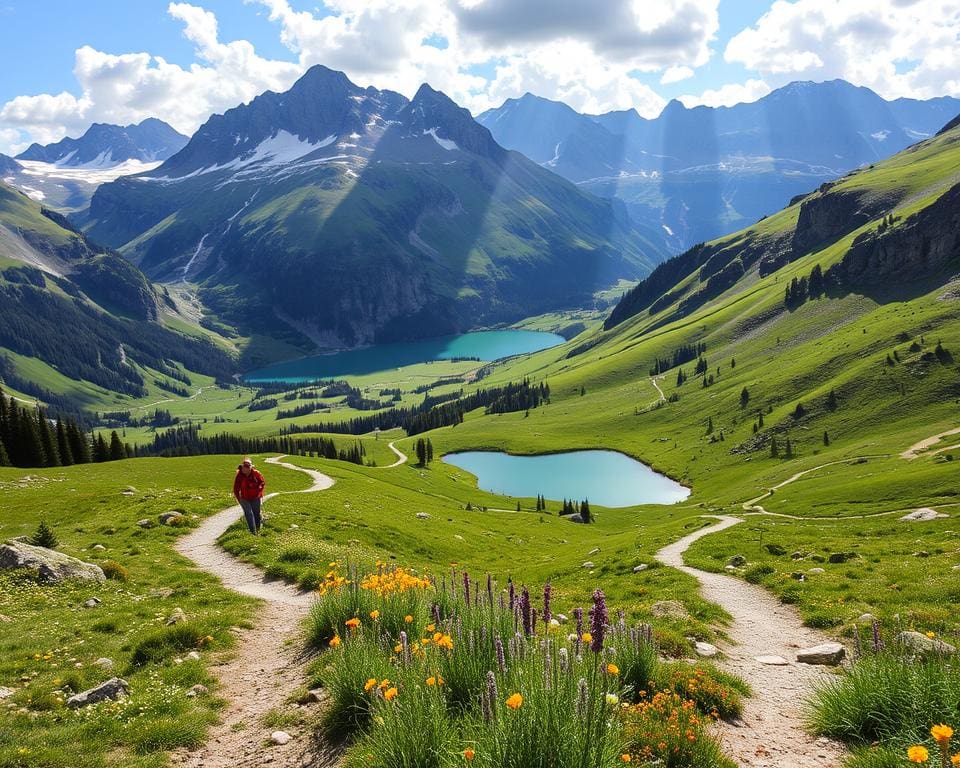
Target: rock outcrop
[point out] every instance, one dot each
(52, 566)
(112, 689)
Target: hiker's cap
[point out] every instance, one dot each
(248, 462)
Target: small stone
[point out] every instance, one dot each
(294, 527)
(98, 548)
(818, 558)
(113, 688)
(280, 738)
(145, 523)
(773, 661)
(5, 619)
(737, 561)
(641, 567)
(593, 551)
(921, 554)
(93, 602)
(955, 568)
(918, 644)
(198, 690)
(706, 650)
(797, 555)
(815, 571)
(193, 656)
(563, 618)
(129, 491)
(672, 609)
(177, 616)
(866, 618)
(797, 576)
(588, 564)
(104, 663)
(314, 696)
(6, 693)
(825, 654)
(731, 568)
(841, 557)
(420, 516)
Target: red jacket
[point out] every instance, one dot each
(248, 486)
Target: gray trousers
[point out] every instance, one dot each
(251, 513)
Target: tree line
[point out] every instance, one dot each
(428, 415)
(681, 355)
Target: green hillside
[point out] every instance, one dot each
(78, 323)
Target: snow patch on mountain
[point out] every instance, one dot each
(447, 144)
(91, 173)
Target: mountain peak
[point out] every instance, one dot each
(105, 144)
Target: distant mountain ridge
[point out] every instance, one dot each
(103, 145)
(703, 172)
(332, 215)
(9, 165)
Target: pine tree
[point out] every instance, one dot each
(518, 506)
(429, 451)
(733, 363)
(117, 449)
(4, 456)
(79, 444)
(832, 401)
(30, 441)
(760, 418)
(585, 514)
(44, 537)
(744, 397)
(63, 445)
(100, 450)
(774, 448)
(799, 412)
(788, 449)
(710, 425)
(826, 438)
(583, 391)
(47, 439)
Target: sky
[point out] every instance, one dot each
(67, 64)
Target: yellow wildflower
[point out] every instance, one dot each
(942, 734)
(390, 694)
(431, 681)
(918, 754)
(370, 684)
(335, 641)
(374, 615)
(613, 669)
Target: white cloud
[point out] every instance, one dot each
(896, 47)
(728, 95)
(676, 75)
(132, 86)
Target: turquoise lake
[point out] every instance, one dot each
(605, 478)
(482, 345)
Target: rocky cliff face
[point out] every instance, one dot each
(922, 245)
(831, 214)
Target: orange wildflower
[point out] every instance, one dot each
(942, 734)
(390, 694)
(353, 623)
(515, 701)
(918, 754)
(613, 669)
(335, 641)
(468, 754)
(370, 684)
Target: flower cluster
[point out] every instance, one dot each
(393, 581)
(942, 735)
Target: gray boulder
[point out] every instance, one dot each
(114, 688)
(145, 523)
(918, 644)
(640, 568)
(922, 515)
(706, 650)
(53, 567)
(171, 518)
(825, 654)
(177, 616)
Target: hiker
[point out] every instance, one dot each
(248, 489)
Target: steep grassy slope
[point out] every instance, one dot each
(84, 313)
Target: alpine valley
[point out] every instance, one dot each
(333, 216)
(753, 322)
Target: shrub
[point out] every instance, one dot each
(113, 570)
(167, 642)
(44, 537)
(887, 698)
(295, 554)
(755, 573)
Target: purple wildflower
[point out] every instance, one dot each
(564, 657)
(547, 615)
(512, 600)
(578, 615)
(525, 614)
(436, 613)
(491, 692)
(877, 638)
(582, 696)
(466, 587)
(547, 668)
(405, 646)
(533, 621)
(598, 621)
(489, 589)
(501, 661)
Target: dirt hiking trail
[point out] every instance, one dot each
(267, 664)
(771, 733)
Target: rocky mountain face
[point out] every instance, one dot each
(703, 172)
(8, 165)
(333, 215)
(104, 145)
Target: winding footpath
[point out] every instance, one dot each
(771, 733)
(266, 666)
